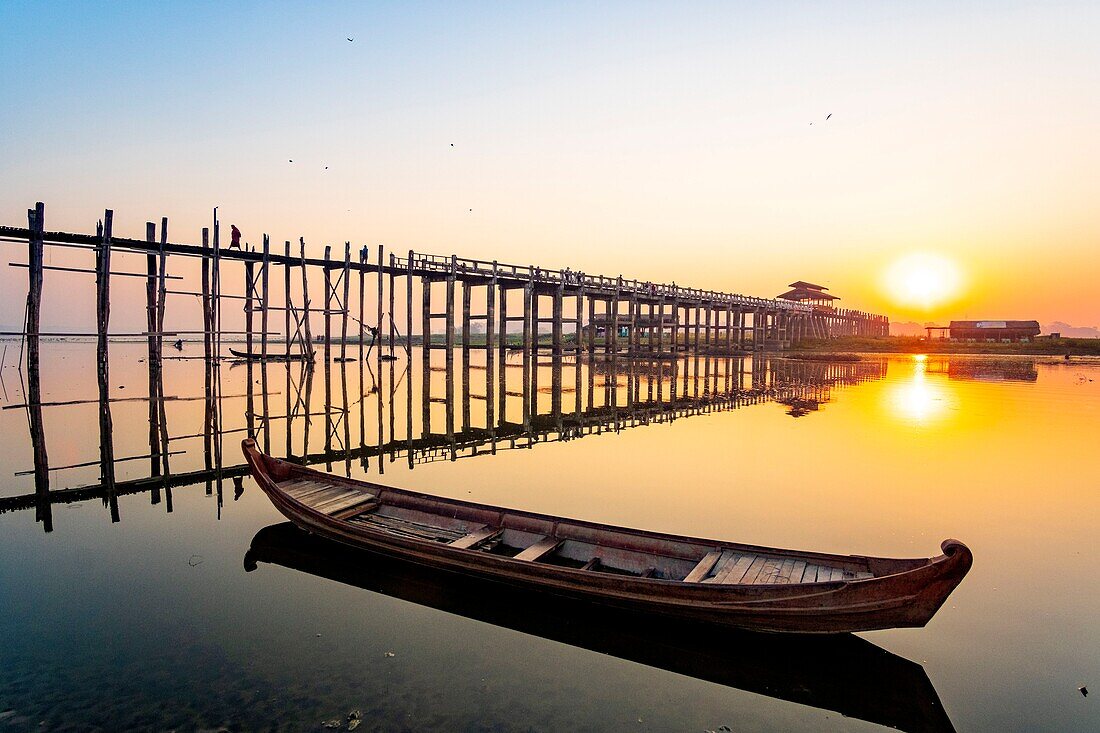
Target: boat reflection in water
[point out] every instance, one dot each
(843, 673)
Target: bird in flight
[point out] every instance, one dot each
(292, 160)
(828, 115)
(350, 40)
(452, 145)
(326, 167)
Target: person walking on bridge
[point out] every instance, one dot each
(235, 237)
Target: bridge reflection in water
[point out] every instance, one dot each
(411, 407)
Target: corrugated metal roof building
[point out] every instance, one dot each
(995, 330)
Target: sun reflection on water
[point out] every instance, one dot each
(919, 399)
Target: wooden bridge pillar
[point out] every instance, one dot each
(490, 315)
(449, 351)
(467, 297)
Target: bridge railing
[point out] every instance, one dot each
(469, 267)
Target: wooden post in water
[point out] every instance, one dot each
(216, 299)
(426, 356)
(528, 344)
(611, 337)
(162, 301)
(362, 306)
(36, 224)
(449, 351)
(378, 320)
(591, 340)
(151, 357)
(466, 301)
(502, 354)
(408, 354)
(207, 344)
(103, 321)
(490, 315)
(286, 312)
(307, 335)
(328, 303)
(346, 310)
(249, 307)
(556, 349)
(265, 295)
(392, 309)
(579, 330)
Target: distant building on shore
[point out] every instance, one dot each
(988, 330)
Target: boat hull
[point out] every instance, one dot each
(903, 599)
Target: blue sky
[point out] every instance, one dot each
(664, 141)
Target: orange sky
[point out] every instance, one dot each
(665, 144)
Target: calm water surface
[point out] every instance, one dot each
(152, 622)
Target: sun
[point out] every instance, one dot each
(923, 279)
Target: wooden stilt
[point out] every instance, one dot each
(152, 358)
(466, 345)
(379, 313)
(265, 295)
(449, 351)
(36, 226)
(345, 305)
(426, 366)
(490, 325)
(393, 304)
(103, 319)
(207, 326)
(288, 304)
(306, 335)
(328, 304)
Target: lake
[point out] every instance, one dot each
(189, 604)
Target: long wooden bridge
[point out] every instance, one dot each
(486, 311)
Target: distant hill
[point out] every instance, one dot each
(909, 328)
(1076, 332)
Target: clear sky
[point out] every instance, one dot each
(662, 141)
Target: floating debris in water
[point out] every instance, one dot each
(1083, 690)
(332, 724)
(353, 724)
(389, 654)
(195, 560)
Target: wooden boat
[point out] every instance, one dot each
(744, 586)
(271, 356)
(838, 672)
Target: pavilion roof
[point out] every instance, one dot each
(806, 294)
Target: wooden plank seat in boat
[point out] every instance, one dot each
(540, 549)
(734, 568)
(331, 500)
(475, 538)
